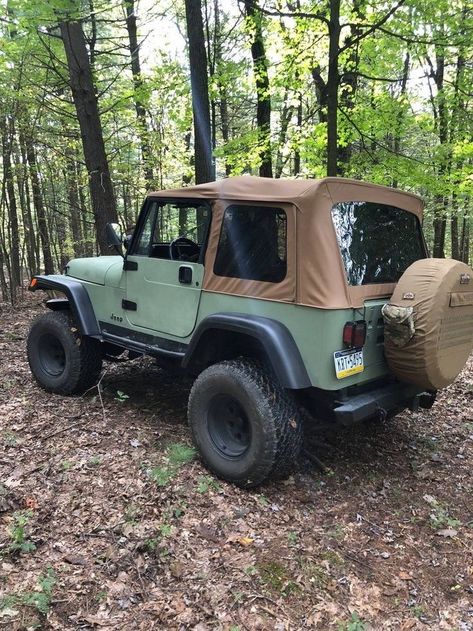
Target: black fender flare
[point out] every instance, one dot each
(77, 298)
(274, 337)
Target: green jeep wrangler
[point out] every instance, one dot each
(286, 299)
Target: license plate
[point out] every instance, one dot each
(348, 363)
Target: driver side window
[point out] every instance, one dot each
(174, 230)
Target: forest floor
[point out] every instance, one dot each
(108, 521)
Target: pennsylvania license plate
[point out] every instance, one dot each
(348, 362)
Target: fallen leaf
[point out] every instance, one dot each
(8, 611)
(405, 576)
(208, 533)
(245, 541)
(75, 559)
(177, 569)
(447, 532)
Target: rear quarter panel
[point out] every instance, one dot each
(317, 333)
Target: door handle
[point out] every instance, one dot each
(185, 275)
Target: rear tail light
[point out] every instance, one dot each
(354, 334)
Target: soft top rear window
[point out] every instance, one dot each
(377, 242)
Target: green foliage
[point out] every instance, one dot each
(276, 577)
(440, 517)
(180, 454)
(396, 125)
(354, 624)
(18, 533)
(176, 456)
(39, 599)
(205, 483)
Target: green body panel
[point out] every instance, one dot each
(172, 311)
(164, 305)
(317, 333)
(95, 269)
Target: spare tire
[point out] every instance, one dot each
(428, 323)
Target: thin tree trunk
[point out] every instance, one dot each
(70, 177)
(3, 280)
(297, 152)
(333, 79)
(465, 238)
(204, 166)
(8, 131)
(85, 101)
(286, 115)
(25, 203)
(138, 98)
(39, 206)
(263, 97)
(440, 207)
(400, 114)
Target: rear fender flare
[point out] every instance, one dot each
(77, 298)
(273, 336)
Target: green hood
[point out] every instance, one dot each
(93, 269)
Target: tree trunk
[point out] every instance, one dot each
(465, 238)
(204, 165)
(297, 152)
(454, 234)
(8, 131)
(70, 177)
(440, 208)
(85, 101)
(139, 100)
(25, 203)
(263, 97)
(333, 79)
(285, 119)
(400, 114)
(39, 206)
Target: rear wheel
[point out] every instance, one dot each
(245, 426)
(61, 360)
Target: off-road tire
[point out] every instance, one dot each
(61, 360)
(271, 413)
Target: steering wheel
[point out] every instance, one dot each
(192, 249)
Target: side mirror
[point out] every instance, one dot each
(114, 235)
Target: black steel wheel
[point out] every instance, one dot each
(246, 427)
(61, 360)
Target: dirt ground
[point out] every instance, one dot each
(109, 521)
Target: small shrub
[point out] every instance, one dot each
(180, 454)
(40, 599)
(205, 482)
(19, 541)
(177, 455)
(354, 624)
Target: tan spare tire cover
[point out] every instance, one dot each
(429, 323)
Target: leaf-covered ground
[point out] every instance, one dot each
(108, 521)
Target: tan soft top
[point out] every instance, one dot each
(315, 274)
(299, 192)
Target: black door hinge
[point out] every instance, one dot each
(130, 266)
(129, 305)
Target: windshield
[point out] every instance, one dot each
(377, 242)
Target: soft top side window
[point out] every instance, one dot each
(377, 242)
(184, 222)
(253, 243)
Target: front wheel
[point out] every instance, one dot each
(246, 427)
(61, 360)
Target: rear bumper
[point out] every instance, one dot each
(381, 402)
